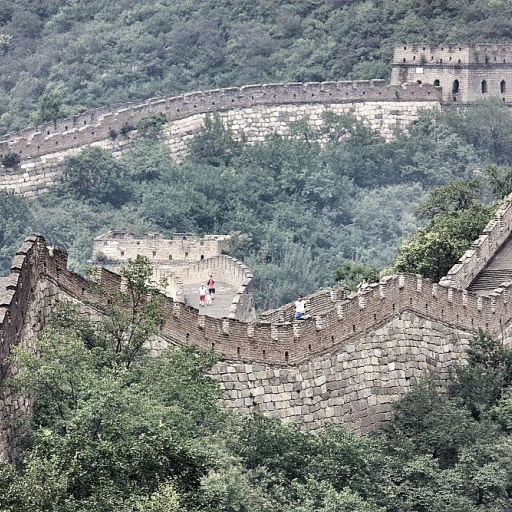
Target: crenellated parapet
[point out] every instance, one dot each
(348, 362)
(336, 317)
(96, 125)
(478, 256)
(253, 112)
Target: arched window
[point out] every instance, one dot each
(484, 86)
(503, 87)
(437, 83)
(455, 87)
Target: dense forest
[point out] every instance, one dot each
(298, 211)
(61, 57)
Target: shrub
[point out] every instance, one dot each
(11, 160)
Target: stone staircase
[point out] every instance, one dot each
(498, 271)
(489, 279)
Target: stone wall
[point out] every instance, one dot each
(474, 260)
(468, 65)
(346, 364)
(180, 247)
(355, 385)
(253, 111)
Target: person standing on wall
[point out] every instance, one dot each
(300, 308)
(202, 295)
(211, 287)
(361, 287)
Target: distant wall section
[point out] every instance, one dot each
(252, 111)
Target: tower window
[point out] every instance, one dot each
(437, 83)
(484, 86)
(503, 87)
(455, 87)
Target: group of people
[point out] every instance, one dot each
(206, 295)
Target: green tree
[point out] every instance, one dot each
(215, 144)
(151, 125)
(499, 180)
(457, 218)
(95, 175)
(487, 375)
(455, 196)
(50, 107)
(112, 428)
(350, 274)
(16, 221)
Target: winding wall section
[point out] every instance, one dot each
(253, 111)
(347, 364)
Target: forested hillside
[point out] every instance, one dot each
(114, 430)
(61, 57)
(297, 210)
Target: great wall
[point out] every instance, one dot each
(255, 111)
(348, 362)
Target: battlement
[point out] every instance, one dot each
(96, 125)
(476, 258)
(253, 112)
(181, 248)
(417, 324)
(454, 54)
(465, 72)
(339, 317)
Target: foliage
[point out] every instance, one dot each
(11, 160)
(350, 274)
(132, 314)
(499, 180)
(50, 108)
(95, 175)
(453, 197)
(112, 428)
(488, 374)
(216, 144)
(457, 217)
(301, 207)
(151, 125)
(16, 222)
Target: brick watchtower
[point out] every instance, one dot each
(465, 72)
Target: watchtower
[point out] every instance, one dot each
(465, 72)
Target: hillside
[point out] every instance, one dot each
(113, 429)
(62, 57)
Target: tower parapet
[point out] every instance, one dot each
(465, 72)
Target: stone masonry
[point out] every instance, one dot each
(465, 72)
(180, 260)
(252, 112)
(347, 363)
(423, 77)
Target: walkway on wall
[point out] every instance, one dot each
(499, 270)
(224, 295)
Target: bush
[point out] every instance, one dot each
(11, 160)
